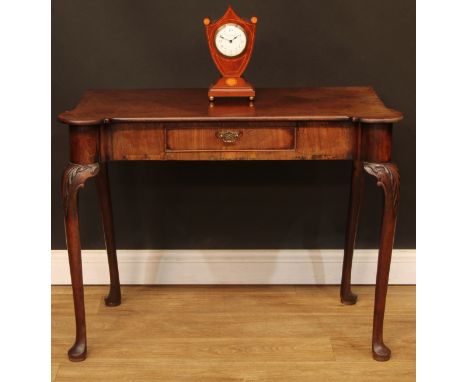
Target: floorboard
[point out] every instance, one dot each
(234, 333)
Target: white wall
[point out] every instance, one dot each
(234, 267)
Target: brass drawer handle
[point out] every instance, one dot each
(228, 136)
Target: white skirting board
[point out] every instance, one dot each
(234, 267)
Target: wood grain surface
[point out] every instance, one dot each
(307, 104)
(287, 124)
(250, 139)
(234, 333)
(313, 140)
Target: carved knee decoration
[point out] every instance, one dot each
(388, 179)
(74, 178)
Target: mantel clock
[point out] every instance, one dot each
(231, 40)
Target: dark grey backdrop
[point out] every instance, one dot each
(153, 44)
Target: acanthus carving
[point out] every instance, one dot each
(388, 177)
(74, 178)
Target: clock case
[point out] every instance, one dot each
(231, 84)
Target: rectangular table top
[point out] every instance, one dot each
(281, 104)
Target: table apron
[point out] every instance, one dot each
(241, 140)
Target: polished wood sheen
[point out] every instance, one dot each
(231, 84)
(293, 104)
(230, 139)
(349, 123)
(227, 333)
(102, 183)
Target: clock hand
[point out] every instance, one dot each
(230, 41)
(235, 37)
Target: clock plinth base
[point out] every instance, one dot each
(228, 87)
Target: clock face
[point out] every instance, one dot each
(230, 40)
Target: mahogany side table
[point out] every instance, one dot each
(347, 123)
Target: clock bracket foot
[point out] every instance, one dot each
(227, 87)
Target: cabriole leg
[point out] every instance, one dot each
(74, 178)
(102, 183)
(389, 179)
(355, 198)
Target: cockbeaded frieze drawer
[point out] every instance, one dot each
(230, 138)
(222, 140)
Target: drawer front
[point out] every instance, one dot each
(230, 139)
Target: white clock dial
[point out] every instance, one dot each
(230, 40)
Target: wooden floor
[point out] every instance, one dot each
(234, 333)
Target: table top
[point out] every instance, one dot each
(281, 104)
